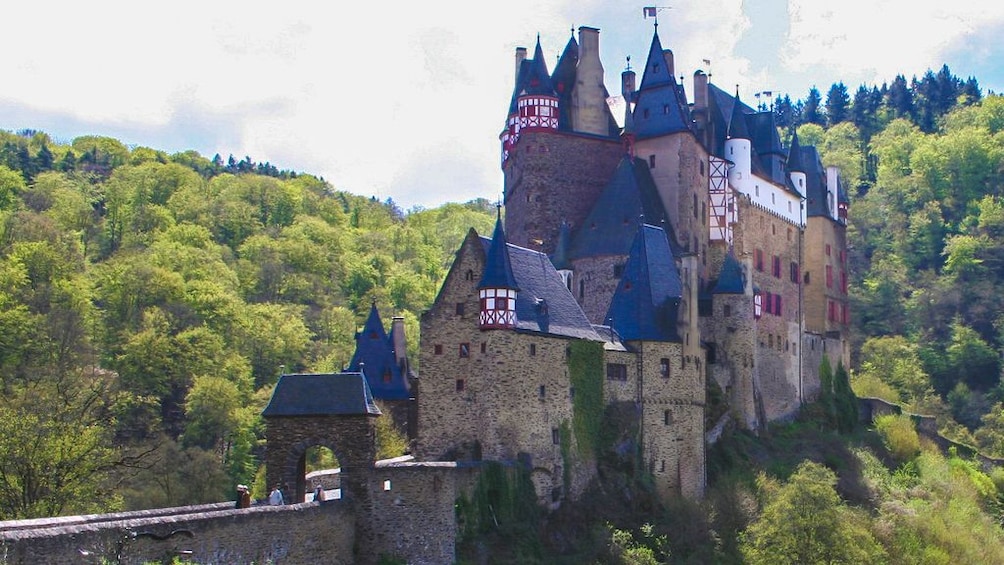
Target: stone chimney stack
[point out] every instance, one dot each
(667, 55)
(590, 113)
(400, 344)
(520, 57)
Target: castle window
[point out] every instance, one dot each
(829, 276)
(651, 158)
(465, 350)
(758, 260)
(726, 310)
(542, 392)
(695, 214)
(386, 485)
(773, 227)
(777, 305)
(555, 436)
(702, 168)
(460, 385)
(806, 277)
(571, 393)
(712, 353)
(704, 214)
(843, 282)
(827, 249)
(770, 340)
(664, 367)
(616, 371)
(776, 266)
(484, 347)
(793, 268)
(665, 108)
(533, 349)
(582, 289)
(618, 270)
(789, 229)
(662, 466)
(460, 308)
(469, 275)
(437, 349)
(667, 417)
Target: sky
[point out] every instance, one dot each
(406, 100)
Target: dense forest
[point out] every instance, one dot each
(149, 302)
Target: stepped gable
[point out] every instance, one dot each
(610, 227)
(563, 81)
(659, 109)
(544, 304)
(645, 305)
(375, 357)
(321, 394)
(730, 279)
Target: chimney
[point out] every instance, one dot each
(400, 345)
(589, 97)
(520, 57)
(667, 55)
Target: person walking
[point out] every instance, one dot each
(275, 497)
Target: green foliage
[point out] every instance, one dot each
(503, 500)
(585, 370)
(804, 521)
(899, 435)
(390, 442)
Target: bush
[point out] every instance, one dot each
(899, 435)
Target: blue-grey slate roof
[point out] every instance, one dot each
(660, 105)
(730, 279)
(498, 268)
(629, 199)
(543, 303)
(329, 394)
(646, 302)
(375, 357)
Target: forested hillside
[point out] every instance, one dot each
(148, 303)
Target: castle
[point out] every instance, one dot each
(687, 244)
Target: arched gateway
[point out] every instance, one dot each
(330, 410)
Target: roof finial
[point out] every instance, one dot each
(628, 63)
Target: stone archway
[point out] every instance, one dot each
(331, 410)
(350, 438)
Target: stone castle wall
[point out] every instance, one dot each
(301, 533)
(553, 176)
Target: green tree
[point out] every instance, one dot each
(804, 522)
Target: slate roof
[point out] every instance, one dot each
(543, 303)
(660, 104)
(374, 356)
(815, 182)
(730, 279)
(563, 81)
(629, 198)
(330, 394)
(647, 299)
(531, 78)
(498, 268)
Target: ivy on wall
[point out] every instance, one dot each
(585, 370)
(503, 498)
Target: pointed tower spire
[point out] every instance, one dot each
(738, 128)
(795, 154)
(498, 288)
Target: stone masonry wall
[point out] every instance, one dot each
(301, 533)
(552, 177)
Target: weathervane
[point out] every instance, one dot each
(653, 12)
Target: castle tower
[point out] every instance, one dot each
(497, 289)
(738, 148)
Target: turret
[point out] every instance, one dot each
(534, 103)
(738, 147)
(497, 289)
(560, 258)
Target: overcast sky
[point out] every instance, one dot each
(405, 100)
